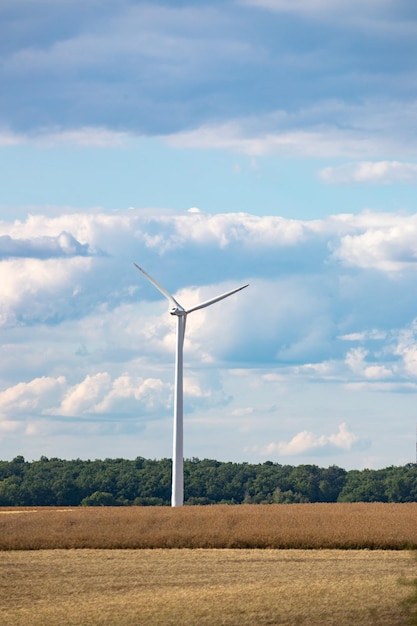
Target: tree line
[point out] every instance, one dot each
(144, 482)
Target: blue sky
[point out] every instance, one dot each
(214, 143)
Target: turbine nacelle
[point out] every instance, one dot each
(176, 308)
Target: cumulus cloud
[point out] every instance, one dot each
(306, 442)
(35, 290)
(28, 398)
(63, 245)
(83, 397)
(102, 394)
(406, 349)
(371, 172)
(298, 271)
(188, 76)
(356, 361)
(87, 337)
(387, 247)
(99, 394)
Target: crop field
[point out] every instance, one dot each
(301, 526)
(205, 587)
(336, 565)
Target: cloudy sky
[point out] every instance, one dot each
(270, 142)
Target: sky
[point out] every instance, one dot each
(269, 142)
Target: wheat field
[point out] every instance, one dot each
(301, 526)
(205, 587)
(301, 564)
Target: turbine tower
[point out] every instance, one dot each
(177, 498)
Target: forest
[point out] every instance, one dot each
(147, 482)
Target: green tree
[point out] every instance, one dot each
(100, 498)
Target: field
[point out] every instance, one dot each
(204, 587)
(301, 526)
(66, 566)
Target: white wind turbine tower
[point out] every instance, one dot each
(177, 498)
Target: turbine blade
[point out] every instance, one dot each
(158, 286)
(213, 300)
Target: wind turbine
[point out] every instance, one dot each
(177, 498)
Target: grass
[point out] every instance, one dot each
(300, 526)
(204, 587)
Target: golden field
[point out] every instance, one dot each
(297, 564)
(205, 587)
(300, 526)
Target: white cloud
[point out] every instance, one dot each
(97, 394)
(373, 334)
(194, 389)
(83, 397)
(27, 398)
(100, 394)
(306, 442)
(63, 245)
(388, 247)
(326, 370)
(308, 142)
(39, 289)
(344, 12)
(190, 76)
(103, 338)
(371, 172)
(8, 426)
(98, 137)
(314, 6)
(367, 129)
(94, 136)
(406, 349)
(299, 273)
(10, 138)
(395, 388)
(243, 411)
(162, 69)
(356, 361)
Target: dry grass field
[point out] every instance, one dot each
(337, 564)
(204, 587)
(301, 526)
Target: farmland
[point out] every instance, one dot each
(204, 587)
(111, 566)
(299, 526)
